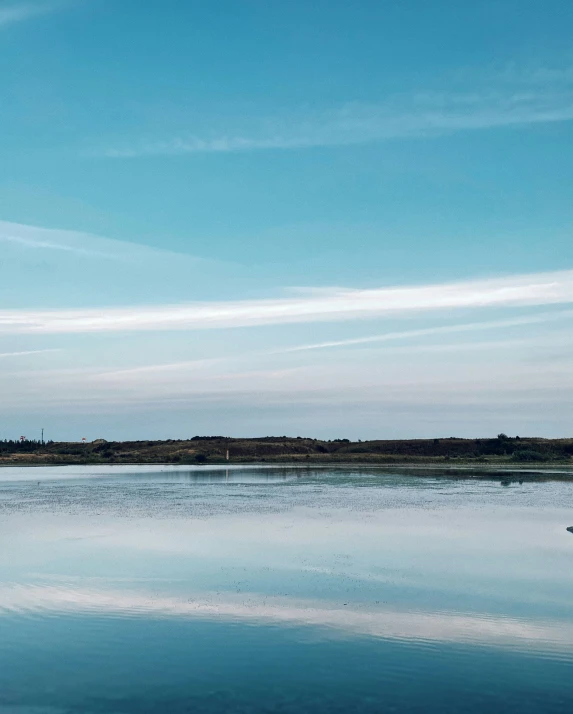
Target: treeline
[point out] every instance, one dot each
(213, 449)
(9, 446)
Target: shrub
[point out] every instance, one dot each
(529, 455)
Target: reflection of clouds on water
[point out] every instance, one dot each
(398, 545)
(337, 553)
(444, 627)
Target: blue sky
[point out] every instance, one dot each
(256, 217)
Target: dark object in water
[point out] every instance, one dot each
(570, 529)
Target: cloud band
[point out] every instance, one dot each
(320, 306)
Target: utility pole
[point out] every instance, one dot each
(42, 435)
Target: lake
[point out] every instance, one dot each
(253, 589)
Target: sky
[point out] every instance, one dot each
(254, 217)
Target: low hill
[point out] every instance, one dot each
(213, 449)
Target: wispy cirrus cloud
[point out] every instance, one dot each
(529, 98)
(25, 353)
(434, 331)
(185, 367)
(20, 11)
(50, 245)
(32, 238)
(549, 288)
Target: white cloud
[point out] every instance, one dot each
(26, 352)
(34, 238)
(430, 331)
(177, 370)
(18, 12)
(30, 240)
(49, 245)
(343, 304)
(526, 101)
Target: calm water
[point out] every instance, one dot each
(144, 589)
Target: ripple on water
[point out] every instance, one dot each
(311, 591)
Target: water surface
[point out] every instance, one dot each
(252, 589)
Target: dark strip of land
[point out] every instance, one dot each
(215, 450)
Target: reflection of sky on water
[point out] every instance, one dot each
(161, 473)
(383, 557)
(352, 619)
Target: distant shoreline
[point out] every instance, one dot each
(501, 452)
(458, 465)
